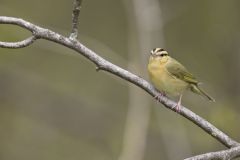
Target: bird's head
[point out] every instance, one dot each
(159, 54)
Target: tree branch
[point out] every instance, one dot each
(220, 155)
(103, 64)
(75, 15)
(20, 44)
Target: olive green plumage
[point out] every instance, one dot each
(179, 71)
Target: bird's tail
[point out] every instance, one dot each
(199, 91)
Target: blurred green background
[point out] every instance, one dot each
(54, 105)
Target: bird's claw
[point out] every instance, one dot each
(158, 96)
(177, 107)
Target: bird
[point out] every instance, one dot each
(170, 77)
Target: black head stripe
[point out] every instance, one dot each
(154, 50)
(158, 50)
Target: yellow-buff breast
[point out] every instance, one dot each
(162, 79)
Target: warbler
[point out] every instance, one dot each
(171, 77)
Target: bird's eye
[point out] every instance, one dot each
(162, 55)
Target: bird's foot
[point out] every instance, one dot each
(158, 96)
(177, 107)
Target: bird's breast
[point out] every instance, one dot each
(164, 81)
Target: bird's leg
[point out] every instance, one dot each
(158, 96)
(178, 105)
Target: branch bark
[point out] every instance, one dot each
(220, 155)
(102, 64)
(75, 15)
(19, 44)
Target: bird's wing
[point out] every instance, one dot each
(179, 71)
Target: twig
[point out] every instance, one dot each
(19, 44)
(105, 65)
(220, 155)
(75, 15)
